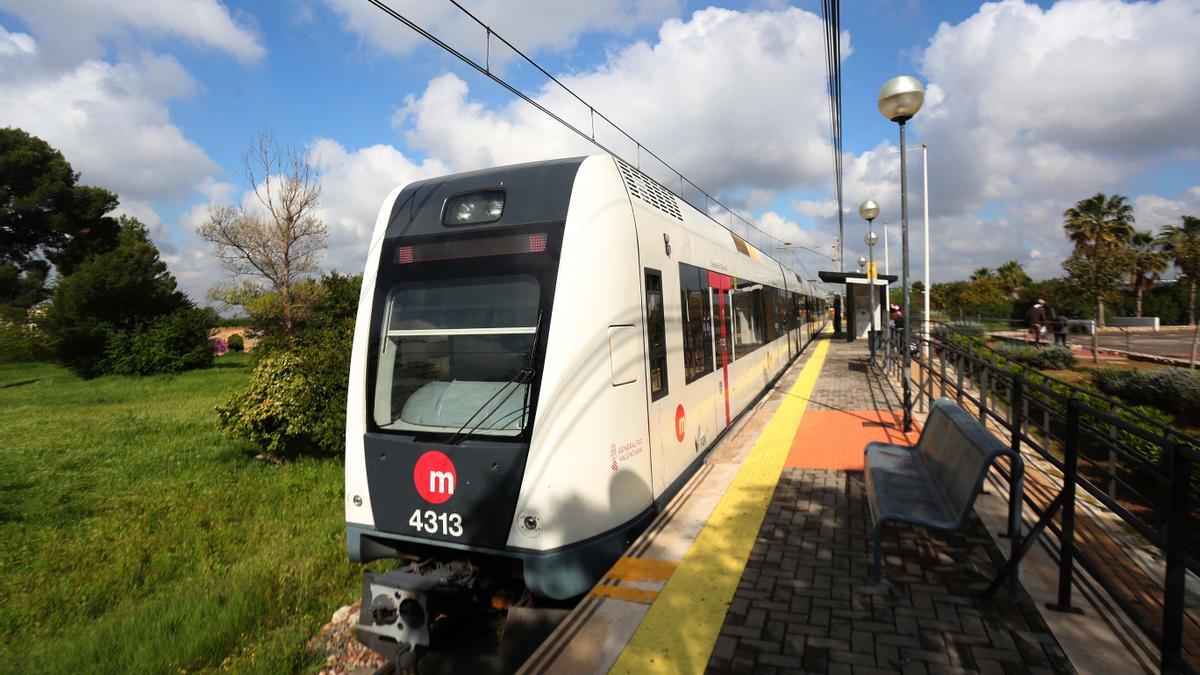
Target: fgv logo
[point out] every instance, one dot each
(435, 477)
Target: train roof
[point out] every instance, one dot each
(546, 183)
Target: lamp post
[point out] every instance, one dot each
(862, 262)
(899, 99)
(925, 204)
(869, 210)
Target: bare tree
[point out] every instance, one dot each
(276, 243)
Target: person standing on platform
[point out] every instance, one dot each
(1037, 321)
(1061, 323)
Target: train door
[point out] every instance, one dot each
(722, 330)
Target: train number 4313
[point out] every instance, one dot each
(449, 524)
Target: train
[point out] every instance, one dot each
(543, 355)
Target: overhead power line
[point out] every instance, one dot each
(831, 12)
(485, 69)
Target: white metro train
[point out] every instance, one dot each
(543, 355)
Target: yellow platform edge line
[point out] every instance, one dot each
(641, 569)
(639, 595)
(680, 628)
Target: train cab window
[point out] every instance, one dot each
(457, 352)
(696, 323)
(656, 334)
(748, 317)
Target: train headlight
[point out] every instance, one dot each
(383, 610)
(474, 207)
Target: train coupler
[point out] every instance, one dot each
(401, 610)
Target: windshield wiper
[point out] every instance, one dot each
(524, 376)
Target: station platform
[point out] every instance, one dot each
(761, 563)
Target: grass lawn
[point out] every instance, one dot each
(135, 538)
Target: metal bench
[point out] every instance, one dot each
(934, 483)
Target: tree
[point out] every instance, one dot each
(1146, 262)
(1182, 243)
(276, 244)
(1012, 279)
(45, 217)
(981, 274)
(1101, 228)
(120, 312)
(1062, 299)
(296, 399)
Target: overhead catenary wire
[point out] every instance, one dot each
(831, 12)
(486, 70)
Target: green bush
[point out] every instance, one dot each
(971, 330)
(236, 343)
(1173, 389)
(1146, 414)
(171, 343)
(22, 342)
(296, 399)
(120, 312)
(1042, 358)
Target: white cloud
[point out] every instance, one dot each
(1153, 211)
(74, 30)
(1092, 75)
(1029, 110)
(111, 123)
(446, 124)
(708, 132)
(530, 25)
(109, 117)
(353, 187)
(16, 44)
(1060, 102)
(354, 184)
(145, 213)
(87, 85)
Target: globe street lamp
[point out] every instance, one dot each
(862, 263)
(869, 210)
(899, 99)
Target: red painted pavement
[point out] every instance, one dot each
(834, 439)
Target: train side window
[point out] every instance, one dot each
(696, 323)
(656, 333)
(748, 317)
(768, 313)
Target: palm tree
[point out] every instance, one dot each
(1182, 244)
(1100, 227)
(1012, 278)
(1146, 263)
(981, 274)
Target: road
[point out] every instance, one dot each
(1173, 345)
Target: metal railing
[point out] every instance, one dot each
(1137, 467)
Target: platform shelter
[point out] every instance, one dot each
(856, 312)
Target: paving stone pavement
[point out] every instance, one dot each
(848, 383)
(805, 603)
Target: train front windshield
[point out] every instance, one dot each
(456, 355)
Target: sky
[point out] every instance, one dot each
(1029, 107)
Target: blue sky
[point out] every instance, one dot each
(1031, 107)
